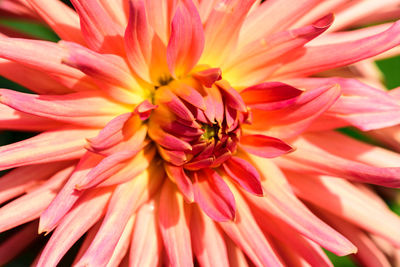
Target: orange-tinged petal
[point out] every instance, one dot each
(146, 244)
(174, 227)
(207, 240)
(186, 42)
(123, 244)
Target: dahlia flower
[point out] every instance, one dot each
(197, 131)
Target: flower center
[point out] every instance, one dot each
(198, 121)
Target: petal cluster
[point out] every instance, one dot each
(201, 132)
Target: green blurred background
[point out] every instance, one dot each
(390, 68)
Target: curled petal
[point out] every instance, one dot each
(264, 146)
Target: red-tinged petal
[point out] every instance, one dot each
(177, 158)
(264, 146)
(244, 174)
(167, 140)
(84, 108)
(175, 232)
(35, 80)
(29, 207)
(270, 96)
(146, 244)
(17, 243)
(199, 164)
(67, 196)
(20, 180)
(126, 199)
(368, 254)
(61, 18)
(319, 58)
(138, 39)
(247, 235)
(186, 42)
(144, 109)
(101, 33)
(295, 119)
(343, 199)
(45, 147)
(281, 203)
(45, 57)
(88, 210)
(232, 97)
(213, 196)
(182, 181)
(209, 76)
(207, 241)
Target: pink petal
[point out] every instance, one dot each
(248, 236)
(235, 254)
(232, 97)
(360, 105)
(280, 202)
(45, 147)
(67, 196)
(146, 245)
(86, 108)
(35, 80)
(255, 27)
(101, 33)
(319, 58)
(11, 119)
(20, 180)
(173, 226)
(264, 146)
(110, 72)
(144, 109)
(29, 207)
(62, 19)
(186, 42)
(126, 199)
(207, 241)
(45, 57)
(368, 254)
(244, 174)
(347, 202)
(124, 242)
(314, 155)
(213, 196)
(88, 210)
